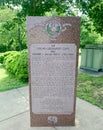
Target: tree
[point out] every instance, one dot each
(96, 14)
(59, 8)
(93, 9)
(40, 7)
(14, 29)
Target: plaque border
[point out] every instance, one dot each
(63, 120)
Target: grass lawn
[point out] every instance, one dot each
(8, 81)
(90, 88)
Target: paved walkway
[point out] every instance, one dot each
(14, 113)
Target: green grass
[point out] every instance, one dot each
(8, 81)
(90, 88)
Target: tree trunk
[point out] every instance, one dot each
(19, 39)
(33, 6)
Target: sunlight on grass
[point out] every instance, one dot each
(90, 88)
(8, 81)
(3, 73)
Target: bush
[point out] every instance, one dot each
(3, 55)
(89, 37)
(1, 58)
(10, 61)
(22, 65)
(3, 48)
(16, 63)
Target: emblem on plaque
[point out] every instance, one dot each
(55, 28)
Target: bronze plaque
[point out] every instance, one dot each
(53, 44)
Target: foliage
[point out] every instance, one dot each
(39, 7)
(97, 17)
(10, 61)
(12, 31)
(87, 37)
(3, 48)
(15, 28)
(22, 65)
(90, 88)
(16, 63)
(86, 5)
(3, 55)
(93, 9)
(1, 58)
(8, 81)
(5, 14)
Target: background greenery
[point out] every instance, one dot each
(13, 19)
(16, 63)
(9, 81)
(13, 39)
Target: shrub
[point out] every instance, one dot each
(3, 55)
(3, 47)
(16, 63)
(10, 61)
(22, 66)
(1, 58)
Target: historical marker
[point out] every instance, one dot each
(53, 51)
